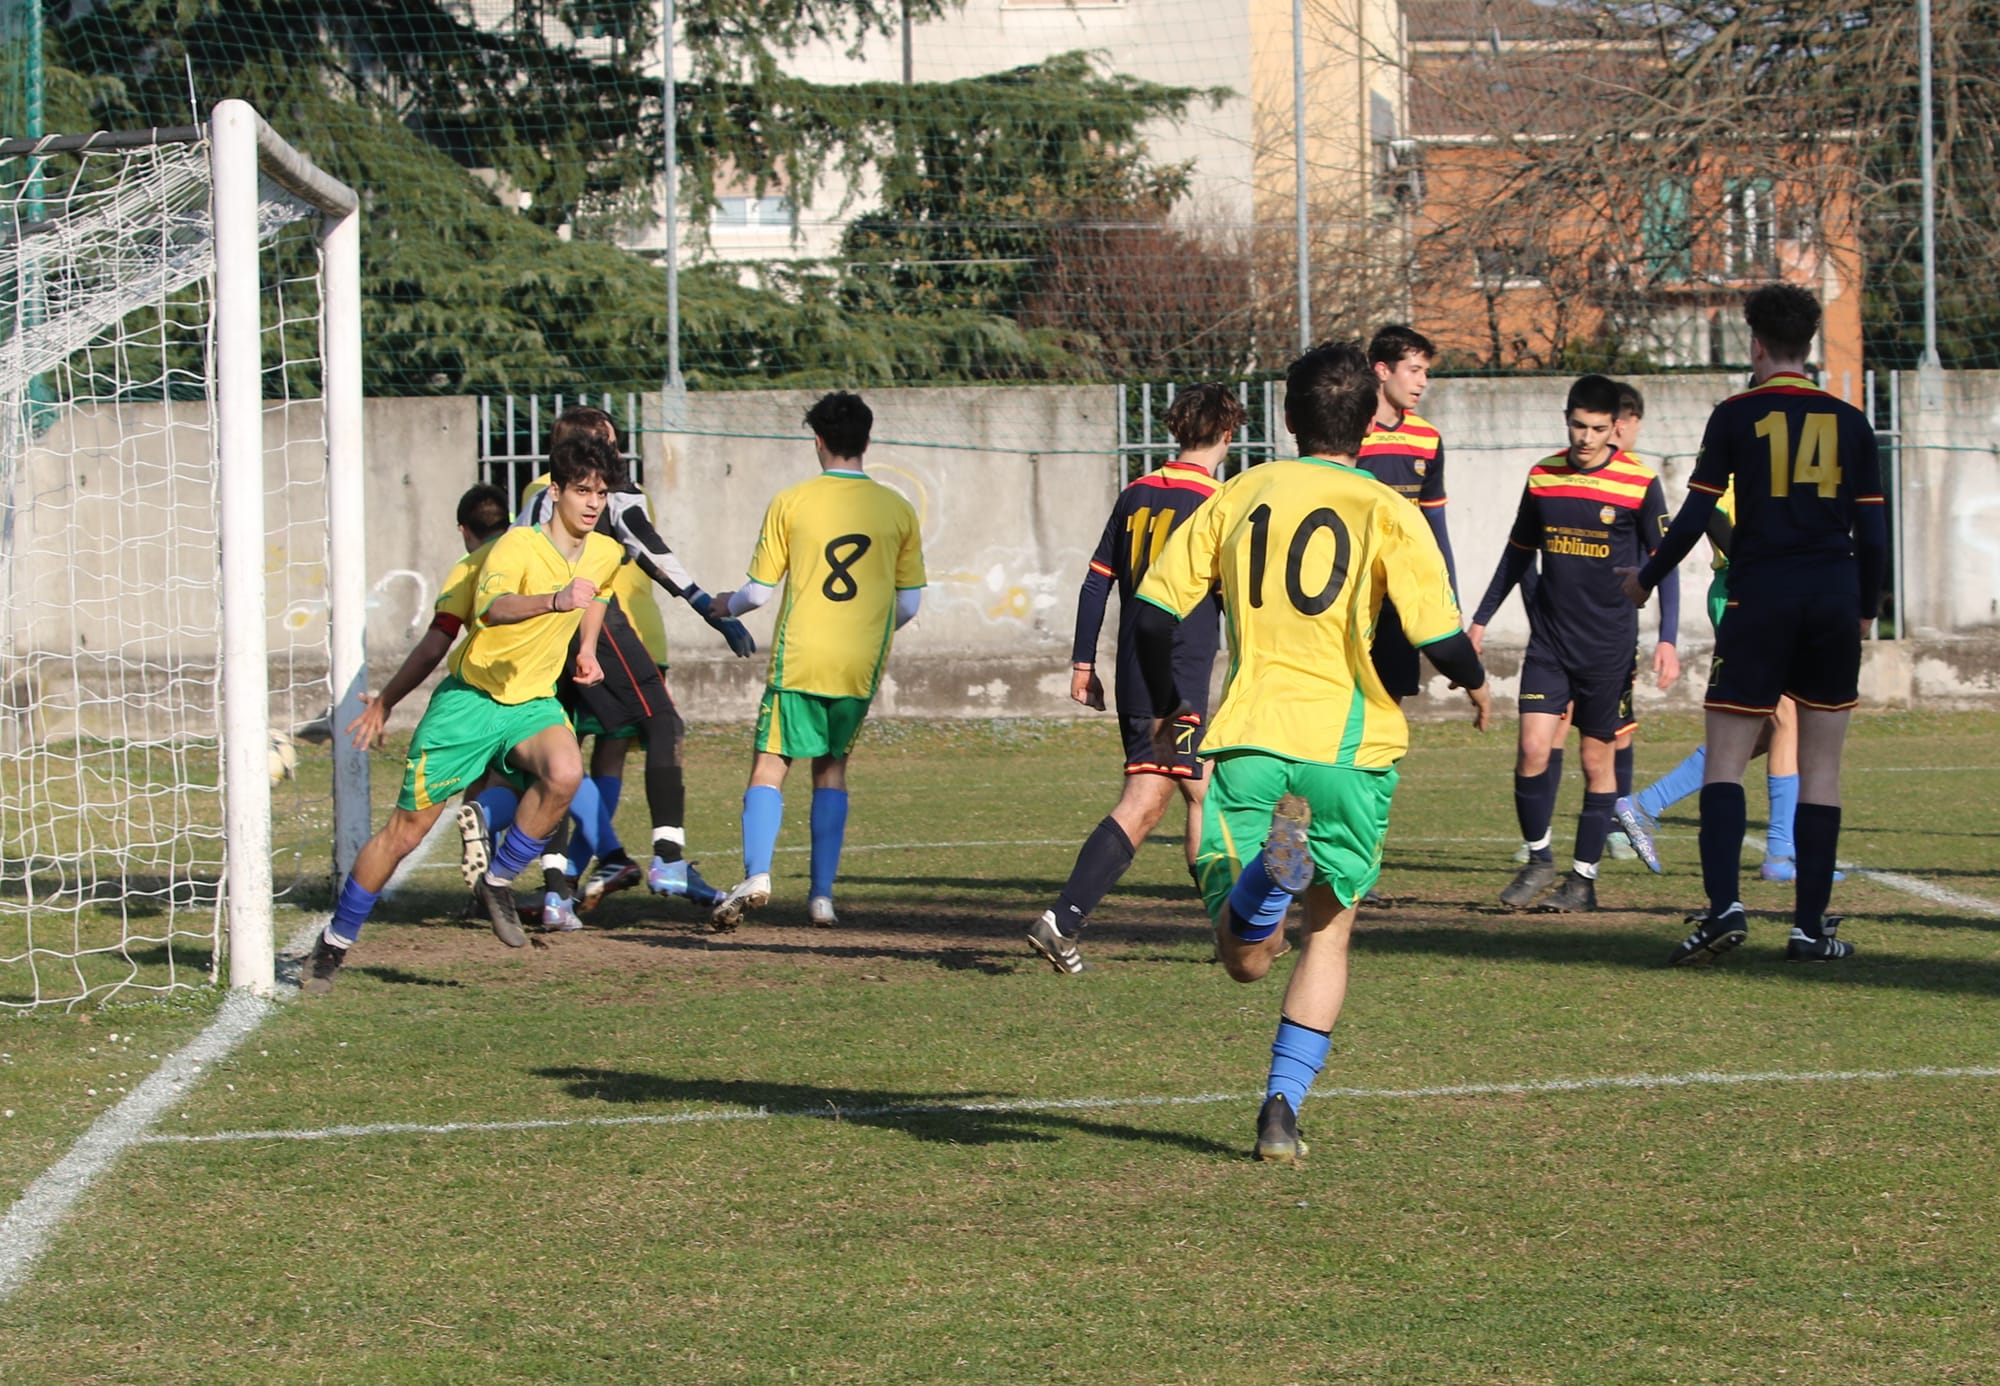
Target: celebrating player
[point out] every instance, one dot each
(1805, 576)
(847, 549)
(498, 707)
(1305, 744)
(632, 700)
(1202, 421)
(1587, 511)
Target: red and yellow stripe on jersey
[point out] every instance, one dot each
(1306, 551)
(1622, 481)
(1408, 458)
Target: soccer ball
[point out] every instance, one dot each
(284, 756)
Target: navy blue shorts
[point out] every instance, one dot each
(1599, 699)
(1139, 757)
(1806, 645)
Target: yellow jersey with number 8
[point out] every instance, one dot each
(1305, 552)
(843, 544)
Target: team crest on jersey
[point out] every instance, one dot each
(1421, 466)
(1606, 514)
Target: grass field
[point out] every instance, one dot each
(904, 1150)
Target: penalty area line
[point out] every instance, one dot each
(1030, 1106)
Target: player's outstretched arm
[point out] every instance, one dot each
(369, 728)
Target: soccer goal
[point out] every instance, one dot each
(181, 563)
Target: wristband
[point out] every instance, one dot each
(701, 601)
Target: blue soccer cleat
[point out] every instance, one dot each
(1639, 827)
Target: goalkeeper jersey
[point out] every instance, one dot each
(843, 544)
(1306, 551)
(522, 660)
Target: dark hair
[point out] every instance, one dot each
(1594, 394)
(1784, 317)
(483, 510)
(583, 420)
(1330, 399)
(842, 422)
(1631, 404)
(576, 459)
(1397, 340)
(1203, 415)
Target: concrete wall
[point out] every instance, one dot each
(1012, 486)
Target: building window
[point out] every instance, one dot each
(738, 213)
(1510, 265)
(1750, 229)
(1666, 231)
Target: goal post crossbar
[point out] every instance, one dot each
(243, 150)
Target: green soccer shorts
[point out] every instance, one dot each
(806, 724)
(464, 731)
(1350, 820)
(1718, 597)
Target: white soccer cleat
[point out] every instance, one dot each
(820, 911)
(752, 893)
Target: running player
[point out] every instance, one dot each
(1305, 744)
(498, 708)
(632, 701)
(848, 551)
(1805, 576)
(1202, 421)
(1587, 512)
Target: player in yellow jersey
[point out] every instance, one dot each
(498, 708)
(847, 549)
(1304, 748)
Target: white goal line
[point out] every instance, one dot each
(1029, 1106)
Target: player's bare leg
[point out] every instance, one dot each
(1534, 806)
(1784, 786)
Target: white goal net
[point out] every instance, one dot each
(176, 343)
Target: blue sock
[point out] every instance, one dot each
(350, 912)
(1297, 1055)
(1784, 808)
(829, 831)
(763, 814)
(584, 811)
(516, 854)
(499, 802)
(1684, 779)
(1257, 903)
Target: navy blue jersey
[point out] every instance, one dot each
(1147, 511)
(1803, 462)
(1587, 525)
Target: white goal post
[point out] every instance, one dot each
(182, 566)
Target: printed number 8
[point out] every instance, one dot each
(840, 585)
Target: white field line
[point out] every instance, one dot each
(1909, 885)
(32, 1223)
(1626, 1082)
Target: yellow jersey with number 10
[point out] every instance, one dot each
(1305, 552)
(521, 661)
(843, 544)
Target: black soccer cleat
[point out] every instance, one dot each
(501, 912)
(1052, 943)
(1711, 937)
(322, 969)
(1530, 883)
(1803, 947)
(1576, 895)
(1278, 1131)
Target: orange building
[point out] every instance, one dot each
(1560, 230)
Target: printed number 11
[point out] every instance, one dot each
(1144, 549)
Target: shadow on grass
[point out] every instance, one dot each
(397, 976)
(951, 1118)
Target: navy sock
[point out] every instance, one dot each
(1553, 783)
(1621, 761)
(1722, 820)
(1816, 829)
(1593, 825)
(1532, 813)
(350, 912)
(666, 800)
(1101, 861)
(1298, 1053)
